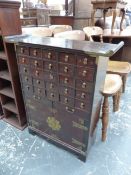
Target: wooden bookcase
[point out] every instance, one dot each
(10, 90)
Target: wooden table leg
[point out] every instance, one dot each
(113, 20)
(105, 117)
(122, 18)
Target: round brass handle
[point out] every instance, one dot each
(52, 95)
(83, 95)
(26, 79)
(66, 100)
(25, 70)
(66, 69)
(66, 91)
(27, 87)
(39, 91)
(85, 61)
(51, 86)
(84, 73)
(36, 72)
(36, 63)
(66, 58)
(82, 105)
(49, 55)
(51, 77)
(50, 66)
(35, 52)
(39, 98)
(38, 81)
(23, 60)
(66, 80)
(22, 50)
(84, 85)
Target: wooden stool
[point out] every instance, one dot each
(112, 88)
(105, 5)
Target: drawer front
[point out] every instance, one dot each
(53, 96)
(26, 79)
(50, 66)
(84, 86)
(49, 54)
(36, 63)
(85, 96)
(37, 73)
(85, 73)
(67, 100)
(51, 87)
(67, 58)
(50, 76)
(25, 22)
(39, 92)
(66, 91)
(23, 60)
(38, 83)
(28, 90)
(67, 81)
(82, 105)
(35, 52)
(66, 69)
(24, 69)
(23, 50)
(85, 60)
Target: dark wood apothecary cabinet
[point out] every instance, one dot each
(61, 80)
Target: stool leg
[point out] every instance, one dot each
(123, 16)
(113, 20)
(118, 98)
(105, 117)
(124, 78)
(92, 17)
(115, 102)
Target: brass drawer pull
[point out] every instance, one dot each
(84, 85)
(37, 73)
(52, 95)
(25, 70)
(51, 77)
(51, 86)
(39, 91)
(83, 95)
(66, 69)
(22, 50)
(39, 98)
(49, 55)
(69, 110)
(50, 66)
(23, 60)
(36, 63)
(35, 52)
(84, 73)
(66, 100)
(26, 79)
(85, 61)
(28, 88)
(38, 81)
(66, 91)
(82, 105)
(66, 58)
(66, 80)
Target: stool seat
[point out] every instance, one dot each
(112, 84)
(119, 67)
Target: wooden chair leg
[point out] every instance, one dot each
(105, 117)
(124, 78)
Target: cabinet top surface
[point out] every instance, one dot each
(91, 48)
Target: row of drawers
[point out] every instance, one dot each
(70, 58)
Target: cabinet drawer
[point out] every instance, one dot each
(83, 96)
(38, 83)
(53, 96)
(67, 81)
(50, 76)
(66, 91)
(36, 63)
(67, 100)
(23, 60)
(85, 60)
(37, 73)
(67, 58)
(51, 87)
(35, 52)
(26, 79)
(22, 50)
(50, 66)
(39, 92)
(85, 73)
(28, 90)
(84, 86)
(24, 69)
(49, 54)
(66, 69)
